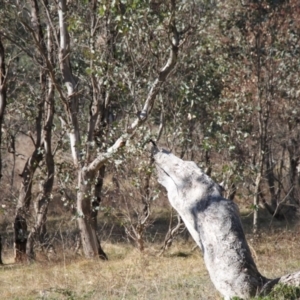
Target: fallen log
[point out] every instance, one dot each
(215, 225)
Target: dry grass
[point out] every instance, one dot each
(127, 275)
(180, 274)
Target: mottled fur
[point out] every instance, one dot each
(213, 222)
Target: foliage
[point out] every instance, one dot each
(235, 87)
(280, 292)
(283, 292)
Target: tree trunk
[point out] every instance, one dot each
(256, 201)
(87, 211)
(20, 238)
(3, 101)
(1, 262)
(84, 210)
(22, 210)
(2, 95)
(95, 208)
(215, 225)
(294, 160)
(39, 229)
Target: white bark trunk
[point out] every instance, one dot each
(71, 103)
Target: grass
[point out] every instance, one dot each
(129, 274)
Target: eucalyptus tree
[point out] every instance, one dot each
(91, 163)
(26, 33)
(38, 230)
(25, 194)
(89, 158)
(146, 49)
(24, 250)
(105, 64)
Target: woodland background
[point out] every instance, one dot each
(77, 75)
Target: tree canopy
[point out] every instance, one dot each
(85, 84)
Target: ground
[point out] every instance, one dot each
(179, 274)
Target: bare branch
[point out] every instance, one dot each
(162, 123)
(45, 4)
(148, 105)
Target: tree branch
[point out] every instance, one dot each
(95, 165)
